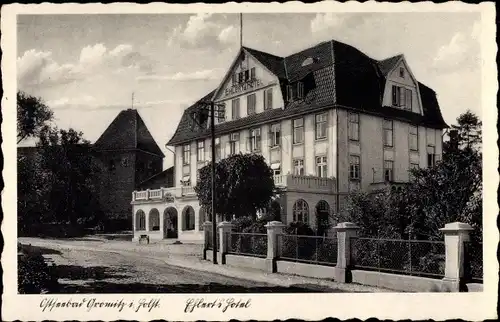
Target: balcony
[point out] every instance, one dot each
(163, 193)
(305, 183)
(288, 181)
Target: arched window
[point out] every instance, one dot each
(154, 219)
(188, 218)
(202, 217)
(301, 211)
(323, 206)
(140, 220)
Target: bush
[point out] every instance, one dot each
(34, 275)
(299, 228)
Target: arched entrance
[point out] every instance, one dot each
(322, 217)
(170, 223)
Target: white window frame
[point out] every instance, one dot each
(413, 137)
(301, 208)
(388, 170)
(388, 139)
(255, 139)
(298, 167)
(322, 166)
(268, 99)
(251, 108)
(321, 126)
(200, 156)
(299, 128)
(353, 126)
(235, 108)
(354, 167)
(186, 154)
(300, 90)
(275, 134)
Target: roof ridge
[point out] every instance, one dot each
(263, 52)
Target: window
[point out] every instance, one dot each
(254, 140)
(401, 97)
(275, 134)
(200, 151)
(388, 135)
(396, 95)
(234, 79)
(300, 90)
(276, 168)
(247, 75)
(188, 218)
(235, 108)
(431, 156)
(298, 131)
(217, 149)
(186, 149)
(320, 126)
(240, 77)
(252, 73)
(321, 167)
(413, 138)
(251, 104)
(301, 211)
(298, 167)
(354, 126)
(289, 92)
(233, 141)
(388, 171)
(354, 168)
(268, 98)
(276, 172)
(401, 72)
(140, 220)
(220, 113)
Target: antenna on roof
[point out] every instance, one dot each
(241, 29)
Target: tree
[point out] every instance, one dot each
(32, 115)
(466, 134)
(244, 184)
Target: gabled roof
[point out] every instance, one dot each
(388, 64)
(128, 132)
(343, 77)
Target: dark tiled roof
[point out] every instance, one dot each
(128, 131)
(162, 179)
(273, 63)
(340, 76)
(388, 64)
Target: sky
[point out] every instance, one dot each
(87, 67)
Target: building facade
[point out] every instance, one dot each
(329, 120)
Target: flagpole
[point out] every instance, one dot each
(241, 30)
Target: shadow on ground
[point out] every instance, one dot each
(37, 250)
(74, 272)
(106, 287)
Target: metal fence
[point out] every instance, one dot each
(474, 261)
(210, 241)
(308, 249)
(409, 257)
(250, 244)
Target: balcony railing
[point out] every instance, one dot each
(305, 183)
(163, 193)
(289, 181)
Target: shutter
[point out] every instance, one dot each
(270, 98)
(408, 98)
(394, 95)
(402, 100)
(264, 96)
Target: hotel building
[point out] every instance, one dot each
(329, 120)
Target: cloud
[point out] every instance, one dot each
(202, 30)
(324, 21)
(69, 102)
(202, 75)
(38, 69)
(462, 51)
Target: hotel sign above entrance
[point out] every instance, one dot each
(250, 85)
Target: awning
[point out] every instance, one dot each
(186, 178)
(275, 166)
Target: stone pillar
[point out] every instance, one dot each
(207, 229)
(225, 228)
(147, 194)
(345, 231)
(274, 229)
(455, 236)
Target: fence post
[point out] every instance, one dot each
(345, 231)
(207, 229)
(274, 229)
(455, 236)
(225, 228)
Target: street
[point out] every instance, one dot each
(107, 271)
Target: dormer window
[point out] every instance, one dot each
(300, 90)
(308, 61)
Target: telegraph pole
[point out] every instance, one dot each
(214, 224)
